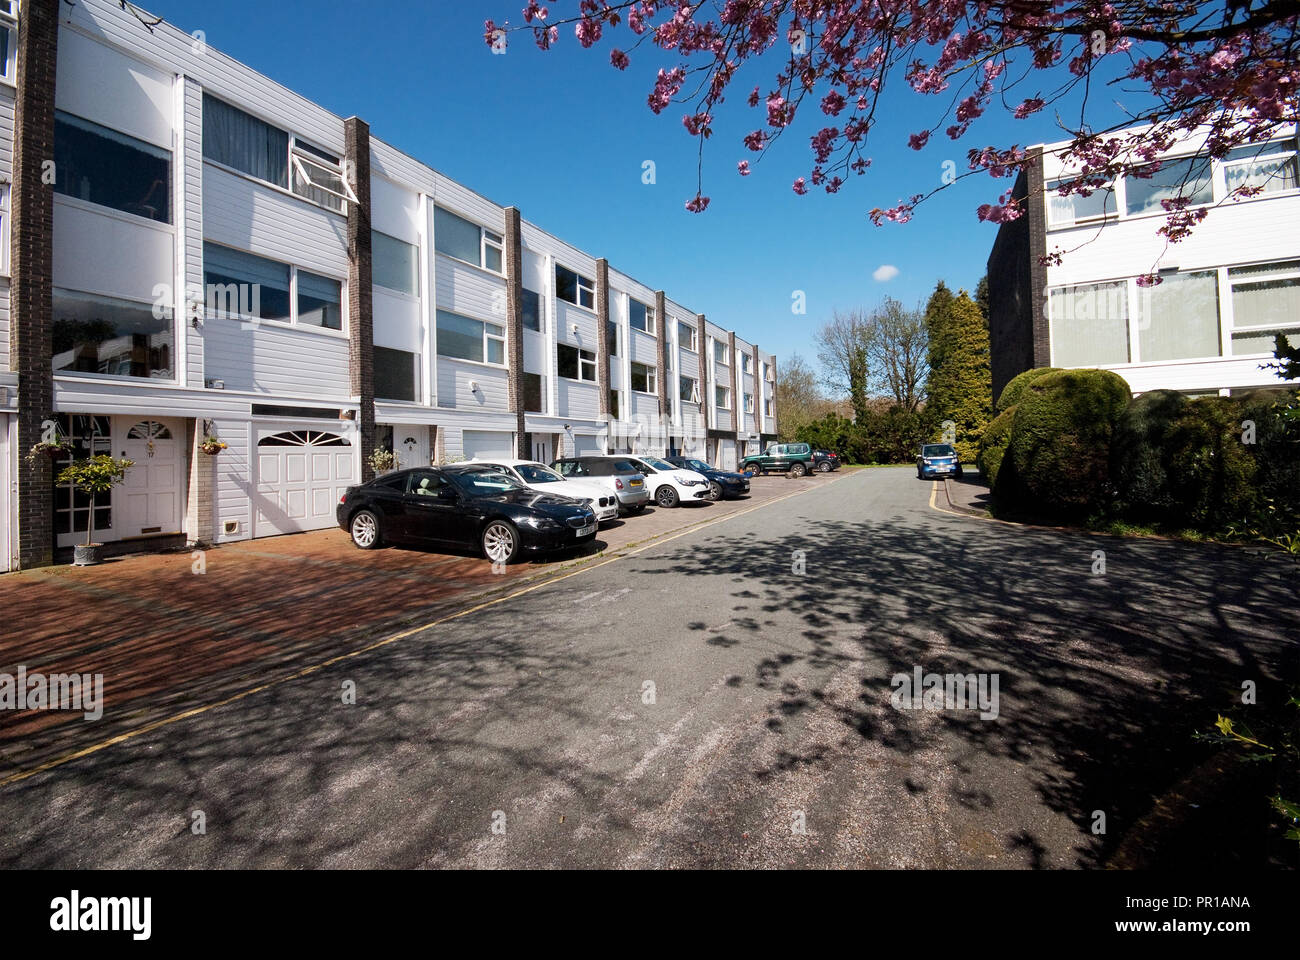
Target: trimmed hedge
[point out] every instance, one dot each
(1211, 472)
(993, 446)
(1275, 412)
(1139, 456)
(1060, 439)
(1014, 390)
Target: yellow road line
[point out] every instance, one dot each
(306, 671)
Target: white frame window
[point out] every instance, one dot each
(4, 229)
(1238, 324)
(409, 266)
(1273, 163)
(300, 283)
(685, 330)
(380, 373)
(585, 363)
(488, 246)
(492, 333)
(767, 407)
(691, 395)
(721, 352)
(721, 397)
(1179, 177)
(9, 28)
(584, 288)
(749, 403)
(746, 363)
(317, 176)
(647, 316)
(648, 374)
(1064, 211)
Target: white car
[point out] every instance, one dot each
(539, 477)
(669, 485)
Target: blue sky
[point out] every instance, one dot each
(563, 136)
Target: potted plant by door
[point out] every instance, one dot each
(381, 461)
(92, 476)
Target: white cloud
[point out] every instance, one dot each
(885, 272)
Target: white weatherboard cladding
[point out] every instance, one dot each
(483, 444)
(101, 84)
(621, 283)
(567, 317)
(394, 210)
(4, 323)
(142, 252)
(7, 467)
(190, 219)
(533, 271)
(272, 359)
(470, 292)
(644, 405)
(454, 378)
(580, 401)
(397, 321)
(535, 357)
(234, 480)
(645, 348)
(6, 132)
(534, 238)
(250, 216)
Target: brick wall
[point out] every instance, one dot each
(602, 340)
(515, 328)
(735, 387)
(361, 316)
(31, 262)
(702, 341)
(1018, 334)
(661, 335)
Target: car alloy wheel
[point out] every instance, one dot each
(666, 496)
(500, 542)
(798, 470)
(715, 490)
(824, 466)
(365, 530)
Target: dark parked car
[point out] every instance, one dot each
(466, 505)
(794, 458)
(826, 461)
(937, 460)
(722, 483)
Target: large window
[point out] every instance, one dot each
(468, 339)
(685, 336)
(1075, 208)
(241, 285)
(1269, 166)
(1089, 324)
(575, 364)
(640, 316)
(102, 166)
(394, 264)
(1179, 318)
(320, 301)
(394, 374)
(689, 389)
(242, 142)
(644, 378)
(1189, 178)
(574, 288)
(91, 436)
(534, 391)
(459, 238)
(532, 310)
(116, 337)
(1265, 301)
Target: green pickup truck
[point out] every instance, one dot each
(793, 458)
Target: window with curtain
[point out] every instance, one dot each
(239, 140)
(1179, 318)
(1188, 177)
(102, 166)
(1089, 324)
(1270, 166)
(1064, 211)
(240, 284)
(1265, 301)
(394, 264)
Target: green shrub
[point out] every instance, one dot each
(1139, 456)
(1060, 440)
(1275, 413)
(1012, 392)
(1211, 472)
(993, 446)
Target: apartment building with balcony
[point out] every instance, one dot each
(195, 251)
(1207, 327)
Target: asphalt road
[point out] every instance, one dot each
(770, 710)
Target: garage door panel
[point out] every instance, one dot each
(268, 471)
(302, 474)
(488, 444)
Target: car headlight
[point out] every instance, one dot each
(685, 481)
(543, 523)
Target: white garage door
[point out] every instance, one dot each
(488, 445)
(301, 474)
(586, 444)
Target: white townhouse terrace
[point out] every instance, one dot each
(219, 257)
(1224, 292)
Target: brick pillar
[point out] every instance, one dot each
(433, 445)
(602, 339)
(515, 328)
(661, 335)
(758, 392)
(702, 341)
(735, 379)
(361, 315)
(1037, 216)
(199, 516)
(31, 261)
(776, 411)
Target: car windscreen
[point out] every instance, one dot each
(936, 450)
(626, 466)
(487, 482)
(536, 473)
(699, 466)
(657, 463)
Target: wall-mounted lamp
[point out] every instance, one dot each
(574, 328)
(473, 386)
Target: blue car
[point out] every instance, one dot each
(937, 460)
(723, 485)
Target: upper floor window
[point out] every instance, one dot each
(1076, 208)
(122, 338)
(459, 238)
(767, 407)
(319, 301)
(1265, 301)
(531, 306)
(395, 374)
(1268, 166)
(689, 390)
(1188, 178)
(575, 364)
(4, 230)
(245, 286)
(467, 339)
(767, 372)
(534, 391)
(644, 378)
(722, 398)
(394, 263)
(640, 317)
(108, 168)
(749, 403)
(611, 337)
(318, 176)
(574, 288)
(746, 363)
(685, 336)
(9, 39)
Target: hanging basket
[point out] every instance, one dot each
(212, 446)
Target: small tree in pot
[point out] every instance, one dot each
(93, 476)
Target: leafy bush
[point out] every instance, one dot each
(1139, 456)
(993, 445)
(1275, 414)
(1211, 472)
(1013, 391)
(1060, 439)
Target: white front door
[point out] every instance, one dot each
(149, 499)
(541, 448)
(6, 546)
(411, 445)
